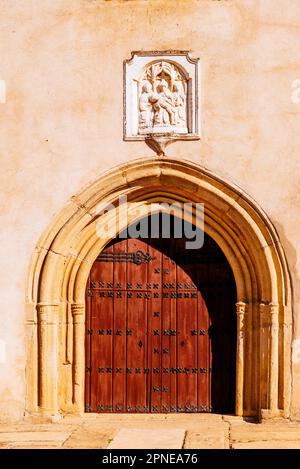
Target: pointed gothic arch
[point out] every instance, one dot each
(65, 254)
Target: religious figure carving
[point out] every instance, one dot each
(162, 100)
(180, 103)
(163, 105)
(145, 105)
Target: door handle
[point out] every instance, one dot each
(140, 344)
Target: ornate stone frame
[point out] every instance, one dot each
(64, 255)
(131, 71)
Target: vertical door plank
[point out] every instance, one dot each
(154, 330)
(119, 351)
(187, 340)
(169, 332)
(102, 337)
(204, 364)
(137, 328)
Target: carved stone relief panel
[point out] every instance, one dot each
(162, 92)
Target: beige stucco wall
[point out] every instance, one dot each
(61, 125)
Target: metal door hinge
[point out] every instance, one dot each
(137, 257)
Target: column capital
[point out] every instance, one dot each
(77, 308)
(241, 307)
(47, 313)
(78, 313)
(269, 311)
(273, 308)
(42, 305)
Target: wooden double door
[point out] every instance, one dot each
(160, 329)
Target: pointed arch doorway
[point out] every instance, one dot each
(66, 252)
(161, 328)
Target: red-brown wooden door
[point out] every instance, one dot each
(149, 334)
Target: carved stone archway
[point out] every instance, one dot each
(65, 253)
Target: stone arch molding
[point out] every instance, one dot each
(65, 253)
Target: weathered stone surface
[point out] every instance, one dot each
(265, 427)
(29, 427)
(205, 421)
(33, 445)
(3, 444)
(187, 421)
(150, 439)
(267, 445)
(172, 431)
(34, 436)
(276, 432)
(202, 440)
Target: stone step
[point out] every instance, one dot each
(137, 438)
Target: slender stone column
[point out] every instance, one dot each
(273, 383)
(249, 395)
(240, 353)
(264, 339)
(47, 315)
(78, 314)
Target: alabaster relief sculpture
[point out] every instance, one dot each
(161, 98)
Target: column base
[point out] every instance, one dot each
(271, 415)
(43, 416)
